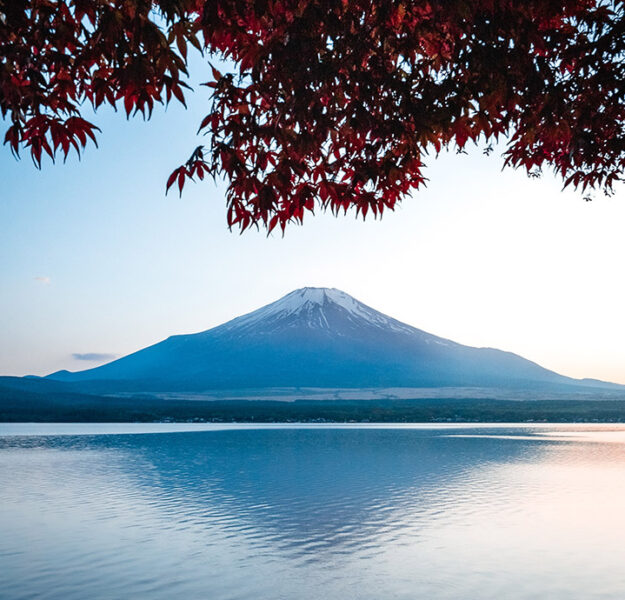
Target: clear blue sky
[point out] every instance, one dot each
(96, 260)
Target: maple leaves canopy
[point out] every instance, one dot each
(333, 103)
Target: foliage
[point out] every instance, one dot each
(22, 406)
(334, 103)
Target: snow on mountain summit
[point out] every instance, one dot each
(314, 337)
(315, 308)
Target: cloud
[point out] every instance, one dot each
(44, 280)
(93, 356)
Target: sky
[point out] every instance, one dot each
(97, 262)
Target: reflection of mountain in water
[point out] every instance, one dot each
(313, 488)
(294, 514)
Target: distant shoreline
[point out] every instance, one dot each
(68, 408)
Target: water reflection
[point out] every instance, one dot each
(366, 513)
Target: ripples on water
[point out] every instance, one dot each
(289, 513)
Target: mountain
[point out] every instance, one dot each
(315, 337)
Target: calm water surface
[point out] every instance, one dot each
(287, 512)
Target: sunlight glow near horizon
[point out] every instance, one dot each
(96, 260)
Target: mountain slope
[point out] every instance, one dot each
(315, 337)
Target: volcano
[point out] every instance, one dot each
(316, 337)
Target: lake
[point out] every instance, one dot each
(306, 512)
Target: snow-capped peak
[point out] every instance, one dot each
(299, 299)
(316, 308)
